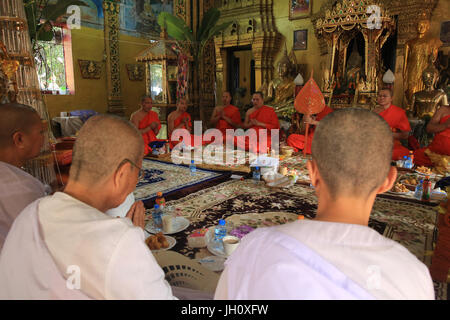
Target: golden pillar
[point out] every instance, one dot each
(111, 10)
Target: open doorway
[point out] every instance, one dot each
(241, 75)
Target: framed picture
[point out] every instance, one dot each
(445, 33)
(301, 39)
(299, 9)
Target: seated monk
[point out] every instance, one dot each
(260, 117)
(397, 120)
(440, 126)
(147, 122)
(226, 116)
(297, 141)
(180, 119)
(21, 139)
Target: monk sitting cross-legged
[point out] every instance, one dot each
(297, 141)
(180, 119)
(396, 119)
(259, 118)
(147, 122)
(226, 116)
(440, 126)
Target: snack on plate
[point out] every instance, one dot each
(197, 238)
(423, 170)
(400, 188)
(157, 242)
(411, 180)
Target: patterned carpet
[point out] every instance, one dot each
(167, 178)
(410, 224)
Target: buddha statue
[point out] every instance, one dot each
(353, 68)
(427, 101)
(281, 90)
(417, 54)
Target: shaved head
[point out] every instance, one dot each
(103, 143)
(353, 151)
(15, 117)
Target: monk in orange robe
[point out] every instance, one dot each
(440, 126)
(397, 120)
(226, 116)
(260, 117)
(180, 119)
(147, 122)
(297, 141)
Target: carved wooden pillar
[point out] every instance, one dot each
(111, 9)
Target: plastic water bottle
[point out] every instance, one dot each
(256, 175)
(419, 190)
(219, 233)
(404, 161)
(192, 168)
(408, 163)
(157, 218)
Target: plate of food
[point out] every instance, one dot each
(171, 225)
(411, 181)
(400, 188)
(160, 242)
(425, 171)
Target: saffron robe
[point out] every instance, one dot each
(440, 144)
(191, 141)
(231, 112)
(397, 120)
(267, 116)
(297, 141)
(150, 135)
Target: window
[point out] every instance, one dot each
(54, 63)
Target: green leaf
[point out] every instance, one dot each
(175, 27)
(209, 20)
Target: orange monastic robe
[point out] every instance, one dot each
(297, 141)
(267, 116)
(440, 144)
(191, 141)
(231, 112)
(150, 135)
(397, 120)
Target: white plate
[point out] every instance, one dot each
(172, 241)
(213, 263)
(209, 239)
(426, 174)
(402, 193)
(180, 224)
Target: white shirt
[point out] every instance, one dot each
(17, 190)
(322, 260)
(110, 254)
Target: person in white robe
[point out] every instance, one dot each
(64, 246)
(21, 139)
(336, 255)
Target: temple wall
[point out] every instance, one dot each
(87, 44)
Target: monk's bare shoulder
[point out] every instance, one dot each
(250, 111)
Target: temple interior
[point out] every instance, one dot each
(197, 65)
